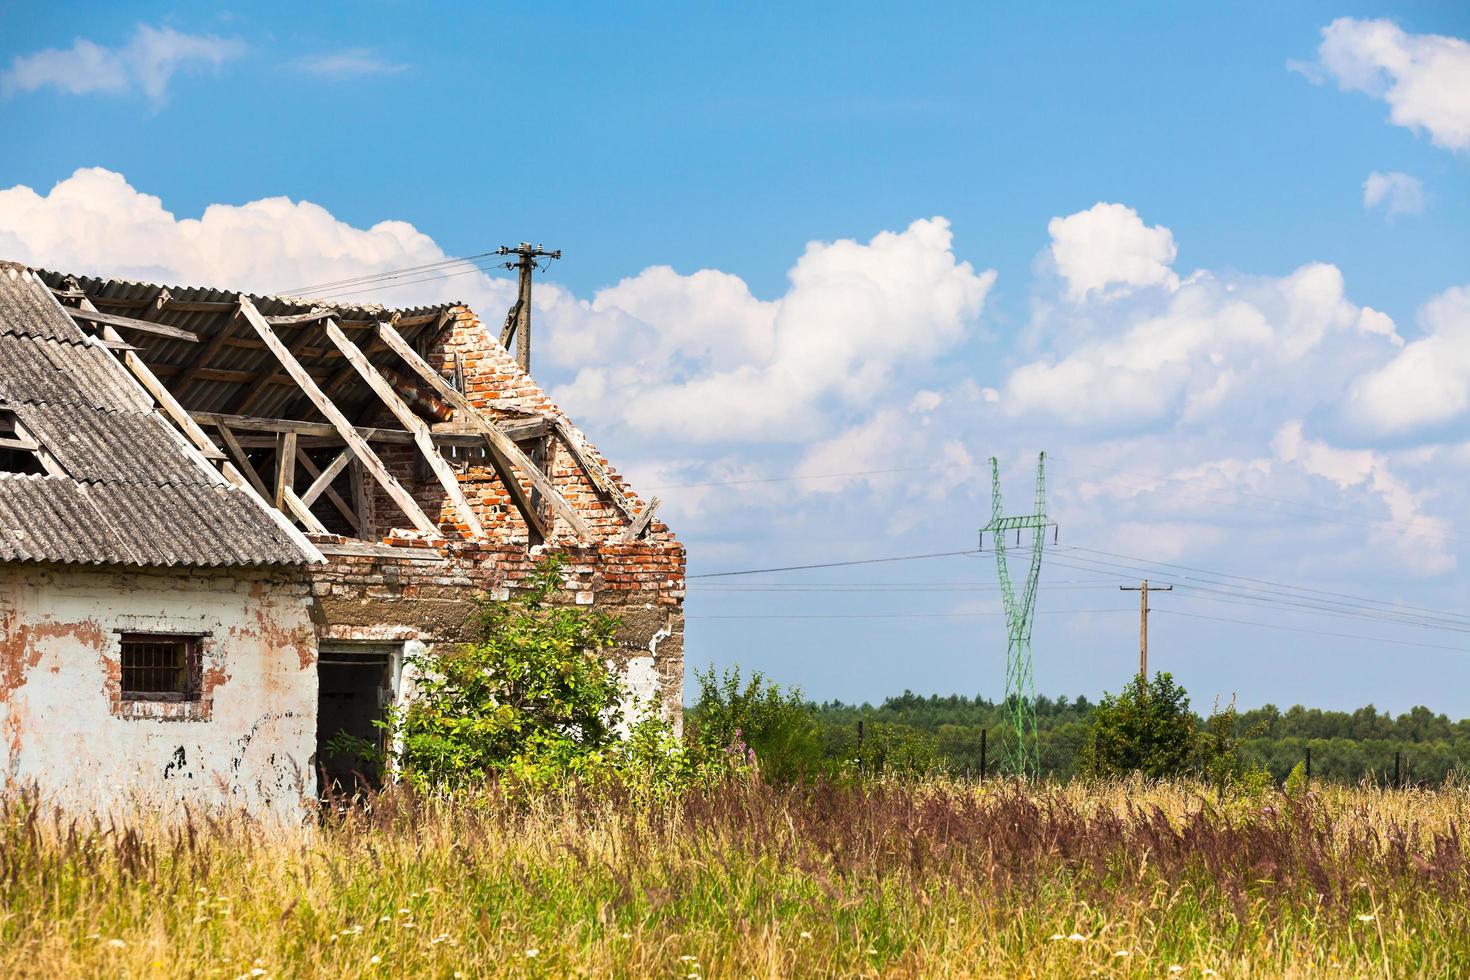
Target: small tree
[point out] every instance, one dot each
(755, 716)
(531, 692)
(1147, 729)
(1217, 750)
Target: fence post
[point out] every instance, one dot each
(1397, 778)
(860, 745)
(1309, 765)
(982, 754)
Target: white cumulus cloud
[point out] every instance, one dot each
(1108, 250)
(704, 360)
(1424, 78)
(1180, 349)
(1428, 383)
(146, 63)
(1397, 192)
(95, 222)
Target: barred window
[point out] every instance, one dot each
(160, 667)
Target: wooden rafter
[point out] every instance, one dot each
(131, 323)
(237, 452)
(323, 478)
(641, 522)
(504, 453)
(285, 467)
(298, 509)
(318, 488)
(599, 476)
(420, 429)
(345, 429)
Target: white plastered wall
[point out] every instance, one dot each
(247, 744)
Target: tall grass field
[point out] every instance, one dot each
(904, 879)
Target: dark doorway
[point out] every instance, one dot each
(357, 685)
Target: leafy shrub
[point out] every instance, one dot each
(892, 749)
(530, 696)
(1217, 752)
(1146, 729)
(755, 721)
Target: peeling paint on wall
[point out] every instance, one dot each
(246, 743)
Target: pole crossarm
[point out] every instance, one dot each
(1023, 754)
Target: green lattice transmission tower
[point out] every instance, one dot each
(1022, 754)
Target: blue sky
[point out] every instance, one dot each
(1252, 359)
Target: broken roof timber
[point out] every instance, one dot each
(449, 433)
(506, 455)
(131, 323)
(344, 428)
(405, 416)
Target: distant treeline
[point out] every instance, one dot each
(1345, 746)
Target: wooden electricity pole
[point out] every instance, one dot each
(518, 321)
(1143, 589)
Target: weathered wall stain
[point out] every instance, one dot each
(68, 729)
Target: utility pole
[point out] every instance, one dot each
(518, 320)
(1143, 589)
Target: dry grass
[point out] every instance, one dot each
(936, 879)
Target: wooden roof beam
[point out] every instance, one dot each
(405, 416)
(641, 522)
(345, 429)
(599, 476)
(504, 453)
(131, 323)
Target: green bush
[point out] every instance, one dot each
(755, 722)
(1147, 729)
(529, 699)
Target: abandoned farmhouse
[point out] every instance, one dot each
(225, 519)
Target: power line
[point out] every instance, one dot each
(886, 587)
(407, 282)
(788, 479)
(1290, 600)
(1390, 614)
(390, 273)
(1303, 629)
(836, 564)
(1276, 585)
(1048, 612)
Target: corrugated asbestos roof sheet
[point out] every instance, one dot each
(133, 493)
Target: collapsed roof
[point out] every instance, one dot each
(209, 385)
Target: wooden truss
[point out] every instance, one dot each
(238, 431)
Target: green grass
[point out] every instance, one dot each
(884, 879)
